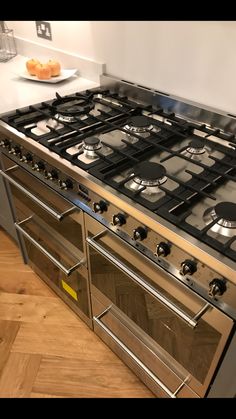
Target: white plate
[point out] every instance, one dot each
(65, 74)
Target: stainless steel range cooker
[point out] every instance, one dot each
(124, 201)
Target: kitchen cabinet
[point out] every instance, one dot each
(6, 217)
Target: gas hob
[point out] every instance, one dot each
(181, 169)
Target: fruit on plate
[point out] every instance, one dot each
(55, 67)
(31, 64)
(43, 71)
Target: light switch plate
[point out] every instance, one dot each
(43, 29)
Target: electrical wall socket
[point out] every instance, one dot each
(43, 29)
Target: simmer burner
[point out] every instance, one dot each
(196, 149)
(226, 225)
(90, 145)
(149, 175)
(138, 124)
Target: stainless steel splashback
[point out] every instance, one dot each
(185, 108)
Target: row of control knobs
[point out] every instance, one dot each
(38, 166)
(217, 286)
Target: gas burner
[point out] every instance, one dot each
(195, 148)
(138, 124)
(64, 118)
(225, 212)
(90, 146)
(67, 108)
(148, 175)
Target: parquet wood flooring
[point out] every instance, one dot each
(46, 351)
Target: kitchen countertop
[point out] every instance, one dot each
(17, 92)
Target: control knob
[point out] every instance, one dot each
(52, 175)
(27, 158)
(15, 150)
(118, 219)
(5, 143)
(140, 233)
(188, 267)
(163, 249)
(39, 166)
(66, 184)
(100, 206)
(217, 287)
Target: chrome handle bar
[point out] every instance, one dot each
(45, 252)
(191, 321)
(55, 214)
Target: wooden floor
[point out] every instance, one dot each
(45, 349)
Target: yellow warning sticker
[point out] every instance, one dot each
(70, 290)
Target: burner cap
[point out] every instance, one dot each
(91, 141)
(196, 143)
(149, 171)
(139, 121)
(138, 124)
(226, 211)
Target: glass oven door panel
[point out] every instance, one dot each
(195, 345)
(125, 338)
(64, 218)
(72, 288)
(51, 243)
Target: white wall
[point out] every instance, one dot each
(194, 60)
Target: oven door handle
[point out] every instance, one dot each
(45, 252)
(55, 214)
(97, 320)
(191, 321)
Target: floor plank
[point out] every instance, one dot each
(8, 332)
(68, 341)
(35, 309)
(23, 282)
(19, 375)
(85, 378)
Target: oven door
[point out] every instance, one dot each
(51, 230)
(163, 328)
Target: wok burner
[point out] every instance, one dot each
(67, 109)
(225, 214)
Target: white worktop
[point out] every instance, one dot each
(16, 92)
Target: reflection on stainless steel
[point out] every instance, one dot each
(167, 169)
(108, 100)
(65, 118)
(42, 127)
